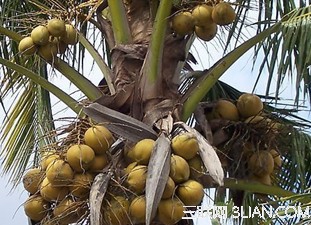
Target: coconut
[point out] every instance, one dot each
(225, 109)
(99, 138)
(136, 179)
(81, 185)
(26, 46)
(257, 121)
(61, 46)
(137, 210)
(32, 180)
(223, 14)
(117, 212)
(141, 152)
(276, 158)
(47, 158)
(99, 163)
(190, 192)
(169, 189)
(70, 37)
(48, 51)
(185, 145)
(170, 211)
(197, 168)
(207, 32)
(52, 193)
(249, 105)
(80, 157)
(129, 168)
(179, 169)
(261, 163)
(202, 15)
(56, 27)
(40, 35)
(36, 208)
(59, 172)
(67, 211)
(183, 23)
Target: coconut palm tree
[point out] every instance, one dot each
(150, 90)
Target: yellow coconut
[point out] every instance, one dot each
(261, 163)
(48, 51)
(170, 211)
(129, 168)
(117, 211)
(26, 46)
(40, 35)
(225, 109)
(183, 23)
(67, 211)
(70, 37)
(99, 138)
(202, 15)
(185, 145)
(207, 32)
(47, 158)
(179, 169)
(136, 179)
(59, 172)
(141, 152)
(249, 105)
(197, 168)
(223, 14)
(32, 180)
(99, 163)
(190, 192)
(80, 157)
(36, 208)
(52, 193)
(81, 185)
(277, 158)
(169, 189)
(56, 27)
(137, 210)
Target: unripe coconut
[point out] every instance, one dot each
(136, 179)
(99, 138)
(66, 212)
(61, 46)
(197, 168)
(40, 35)
(80, 157)
(56, 27)
(117, 212)
(257, 121)
(137, 210)
(99, 163)
(81, 185)
(185, 145)
(36, 208)
(48, 51)
(170, 211)
(59, 173)
(52, 193)
(223, 14)
(32, 180)
(169, 189)
(70, 37)
(141, 152)
(26, 46)
(225, 109)
(190, 192)
(249, 105)
(277, 158)
(179, 169)
(183, 23)
(47, 158)
(207, 32)
(129, 168)
(261, 163)
(266, 179)
(202, 15)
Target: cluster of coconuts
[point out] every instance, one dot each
(182, 188)
(203, 19)
(248, 109)
(49, 40)
(60, 186)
